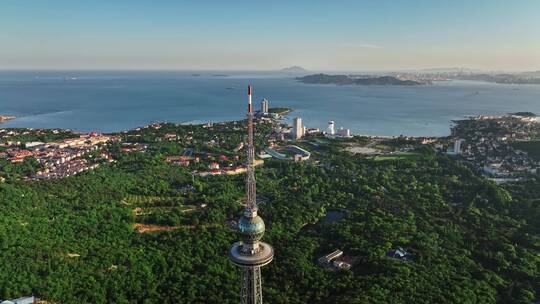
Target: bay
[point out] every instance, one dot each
(111, 101)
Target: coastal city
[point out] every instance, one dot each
(306, 152)
(82, 152)
(497, 145)
(491, 144)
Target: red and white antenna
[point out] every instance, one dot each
(251, 207)
(249, 99)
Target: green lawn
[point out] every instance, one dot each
(399, 156)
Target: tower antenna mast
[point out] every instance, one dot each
(250, 254)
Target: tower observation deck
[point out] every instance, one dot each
(250, 253)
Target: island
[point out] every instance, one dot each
(355, 80)
(4, 118)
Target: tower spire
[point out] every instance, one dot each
(251, 192)
(250, 253)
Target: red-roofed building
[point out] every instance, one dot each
(19, 153)
(16, 159)
(223, 157)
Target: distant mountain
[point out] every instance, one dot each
(294, 70)
(347, 80)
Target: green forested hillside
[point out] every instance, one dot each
(72, 240)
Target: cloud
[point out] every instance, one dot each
(358, 45)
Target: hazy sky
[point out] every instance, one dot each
(271, 34)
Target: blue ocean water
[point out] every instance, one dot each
(108, 101)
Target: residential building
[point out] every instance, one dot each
(298, 130)
(331, 128)
(264, 106)
(327, 259)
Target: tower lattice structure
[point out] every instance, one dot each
(250, 254)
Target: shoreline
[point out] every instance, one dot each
(76, 131)
(281, 117)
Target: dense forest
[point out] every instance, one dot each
(73, 240)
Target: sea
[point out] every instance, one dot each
(113, 101)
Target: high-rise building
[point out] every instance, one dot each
(264, 106)
(331, 128)
(457, 146)
(250, 254)
(297, 130)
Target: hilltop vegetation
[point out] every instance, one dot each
(525, 114)
(73, 241)
(280, 111)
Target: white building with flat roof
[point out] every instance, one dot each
(297, 130)
(23, 300)
(331, 128)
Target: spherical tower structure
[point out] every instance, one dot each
(250, 254)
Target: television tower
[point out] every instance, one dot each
(250, 254)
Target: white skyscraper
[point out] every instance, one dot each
(457, 146)
(331, 128)
(264, 106)
(297, 130)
